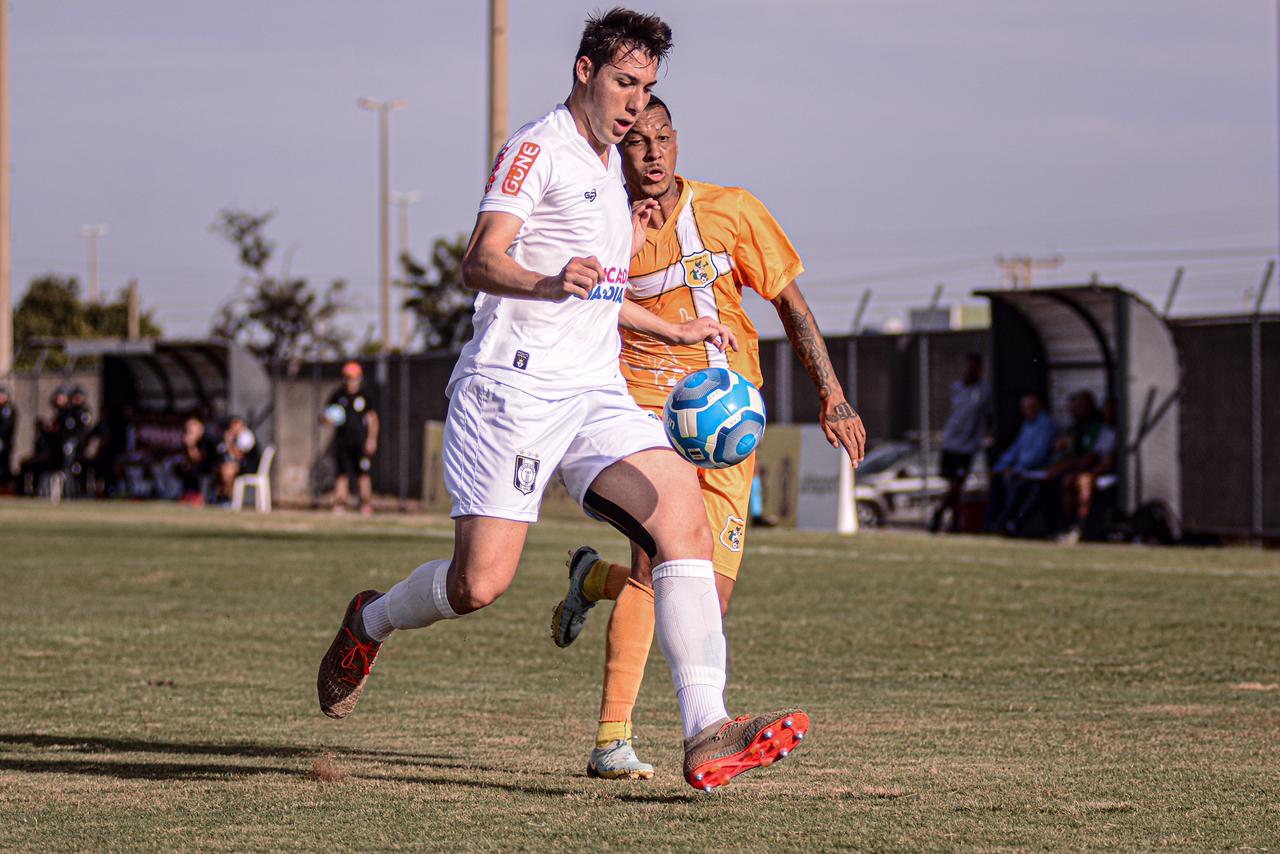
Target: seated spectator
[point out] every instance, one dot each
(8, 423)
(1017, 479)
(235, 454)
(1096, 473)
(194, 463)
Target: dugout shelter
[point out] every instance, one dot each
(1056, 341)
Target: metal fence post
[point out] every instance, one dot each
(1255, 398)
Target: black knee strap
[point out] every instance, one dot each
(606, 511)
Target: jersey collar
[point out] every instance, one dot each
(686, 192)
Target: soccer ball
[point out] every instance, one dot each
(714, 418)
(335, 414)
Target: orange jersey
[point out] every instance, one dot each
(716, 242)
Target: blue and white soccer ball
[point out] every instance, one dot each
(714, 418)
(335, 414)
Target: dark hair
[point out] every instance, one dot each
(974, 357)
(622, 30)
(656, 103)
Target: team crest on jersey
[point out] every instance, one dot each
(731, 536)
(699, 269)
(526, 473)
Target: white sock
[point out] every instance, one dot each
(418, 601)
(689, 629)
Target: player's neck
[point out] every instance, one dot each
(579, 115)
(667, 203)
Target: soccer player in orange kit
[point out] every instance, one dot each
(703, 247)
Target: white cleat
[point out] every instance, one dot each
(570, 614)
(617, 761)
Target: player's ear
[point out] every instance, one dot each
(582, 70)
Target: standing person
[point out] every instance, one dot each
(8, 423)
(355, 441)
(962, 437)
(538, 388)
(703, 246)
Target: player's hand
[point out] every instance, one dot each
(844, 428)
(641, 213)
(577, 279)
(702, 329)
(370, 447)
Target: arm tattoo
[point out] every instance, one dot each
(807, 341)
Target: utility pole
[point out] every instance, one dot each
(6, 260)
(383, 108)
(497, 79)
(402, 201)
(135, 312)
(1018, 269)
(93, 232)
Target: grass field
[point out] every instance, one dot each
(159, 669)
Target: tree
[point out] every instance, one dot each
(440, 302)
(51, 308)
(279, 319)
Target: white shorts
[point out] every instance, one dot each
(502, 445)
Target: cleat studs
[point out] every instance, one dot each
(799, 735)
(708, 788)
(768, 733)
(783, 753)
(698, 777)
(788, 723)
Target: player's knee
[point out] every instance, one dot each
(473, 595)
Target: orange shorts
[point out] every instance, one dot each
(726, 493)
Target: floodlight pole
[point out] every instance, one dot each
(6, 259)
(383, 108)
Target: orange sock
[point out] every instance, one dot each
(626, 650)
(605, 580)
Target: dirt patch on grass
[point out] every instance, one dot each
(1174, 710)
(327, 770)
(159, 576)
(1256, 686)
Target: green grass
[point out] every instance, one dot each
(159, 668)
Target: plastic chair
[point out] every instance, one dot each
(259, 480)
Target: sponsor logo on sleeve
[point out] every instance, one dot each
(526, 476)
(520, 166)
(497, 164)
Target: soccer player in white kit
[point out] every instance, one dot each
(538, 388)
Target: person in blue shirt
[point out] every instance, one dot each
(1021, 468)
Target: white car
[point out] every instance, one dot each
(892, 488)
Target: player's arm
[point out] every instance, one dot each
(843, 426)
(372, 425)
(488, 268)
(696, 331)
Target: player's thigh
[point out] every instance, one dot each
(659, 491)
(726, 494)
(486, 553)
(621, 454)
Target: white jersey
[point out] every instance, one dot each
(572, 205)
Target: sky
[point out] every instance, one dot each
(901, 143)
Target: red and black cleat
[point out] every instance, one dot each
(718, 754)
(344, 670)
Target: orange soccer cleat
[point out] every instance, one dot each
(721, 752)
